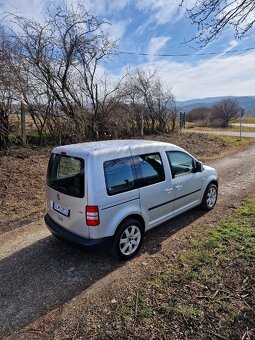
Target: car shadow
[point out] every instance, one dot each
(169, 228)
(48, 273)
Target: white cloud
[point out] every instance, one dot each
(105, 8)
(116, 30)
(163, 11)
(30, 9)
(156, 43)
(219, 76)
(35, 8)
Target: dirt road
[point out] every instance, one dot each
(39, 273)
(244, 124)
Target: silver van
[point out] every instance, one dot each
(109, 193)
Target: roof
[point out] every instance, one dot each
(112, 146)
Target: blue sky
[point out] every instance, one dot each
(157, 27)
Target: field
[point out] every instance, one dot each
(246, 120)
(233, 128)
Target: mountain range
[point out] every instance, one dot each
(248, 102)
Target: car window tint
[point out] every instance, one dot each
(66, 174)
(150, 169)
(119, 175)
(181, 164)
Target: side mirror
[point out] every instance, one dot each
(198, 166)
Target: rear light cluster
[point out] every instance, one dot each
(92, 215)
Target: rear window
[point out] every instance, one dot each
(66, 175)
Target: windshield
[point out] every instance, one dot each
(66, 175)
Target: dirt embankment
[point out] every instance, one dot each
(22, 178)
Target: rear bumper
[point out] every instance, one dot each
(75, 240)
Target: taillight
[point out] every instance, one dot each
(92, 215)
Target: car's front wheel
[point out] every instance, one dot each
(210, 197)
(128, 239)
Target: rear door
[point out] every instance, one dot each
(155, 187)
(187, 183)
(66, 192)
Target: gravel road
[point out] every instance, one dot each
(244, 124)
(39, 273)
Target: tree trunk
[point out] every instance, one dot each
(142, 125)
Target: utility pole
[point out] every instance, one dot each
(242, 112)
(182, 120)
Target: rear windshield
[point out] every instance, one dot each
(66, 175)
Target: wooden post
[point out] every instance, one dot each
(23, 124)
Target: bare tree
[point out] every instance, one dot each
(225, 110)
(63, 55)
(163, 106)
(8, 90)
(150, 105)
(200, 115)
(212, 16)
(133, 99)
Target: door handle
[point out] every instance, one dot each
(168, 190)
(179, 186)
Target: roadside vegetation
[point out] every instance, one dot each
(207, 293)
(219, 115)
(67, 99)
(235, 143)
(232, 128)
(246, 120)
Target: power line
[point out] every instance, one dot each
(185, 54)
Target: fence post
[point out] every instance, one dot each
(23, 124)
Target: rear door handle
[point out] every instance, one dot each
(179, 186)
(168, 190)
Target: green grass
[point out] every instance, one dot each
(210, 287)
(246, 120)
(146, 313)
(244, 129)
(230, 128)
(235, 142)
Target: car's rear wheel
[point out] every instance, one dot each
(128, 239)
(210, 197)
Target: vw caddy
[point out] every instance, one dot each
(111, 192)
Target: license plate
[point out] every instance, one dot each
(62, 210)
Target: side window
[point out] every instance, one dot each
(181, 164)
(150, 169)
(119, 175)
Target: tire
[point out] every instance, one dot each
(128, 239)
(210, 197)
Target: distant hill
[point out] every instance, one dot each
(248, 102)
